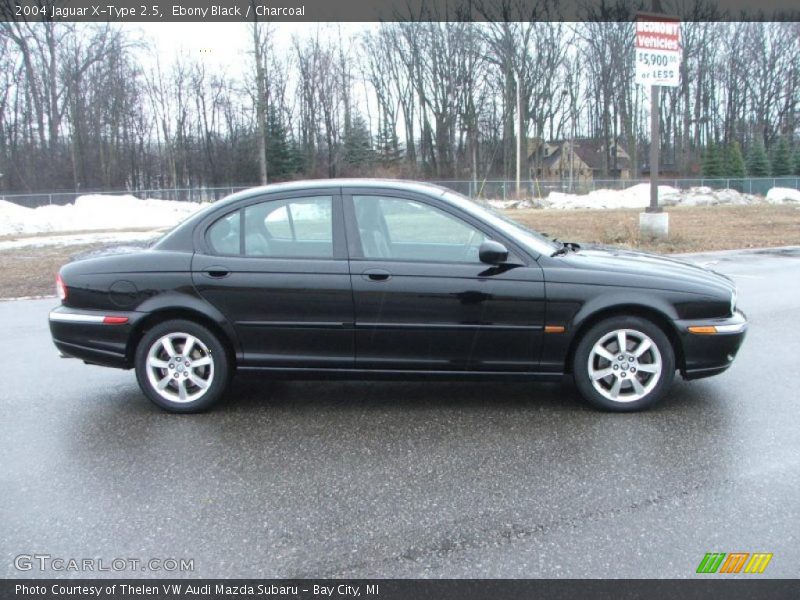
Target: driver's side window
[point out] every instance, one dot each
(402, 229)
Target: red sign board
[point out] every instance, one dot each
(658, 35)
(658, 50)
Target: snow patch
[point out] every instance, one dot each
(638, 196)
(778, 195)
(94, 212)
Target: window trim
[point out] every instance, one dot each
(290, 218)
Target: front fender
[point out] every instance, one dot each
(620, 300)
(577, 307)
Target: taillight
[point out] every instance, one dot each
(61, 288)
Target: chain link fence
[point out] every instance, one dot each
(489, 189)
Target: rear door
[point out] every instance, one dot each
(423, 300)
(277, 269)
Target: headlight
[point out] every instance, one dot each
(733, 302)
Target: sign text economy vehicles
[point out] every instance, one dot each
(658, 50)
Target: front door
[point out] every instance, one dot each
(277, 270)
(423, 300)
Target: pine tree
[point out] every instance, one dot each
(712, 162)
(734, 166)
(797, 161)
(278, 157)
(387, 146)
(358, 144)
(757, 161)
(781, 159)
(297, 158)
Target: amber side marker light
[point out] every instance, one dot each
(703, 329)
(554, 329)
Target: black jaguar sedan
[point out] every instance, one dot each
(385, 279)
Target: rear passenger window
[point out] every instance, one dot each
(277, 224)
(224, 235)
(295, 228)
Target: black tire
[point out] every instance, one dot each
(215, 370)
(629, 397)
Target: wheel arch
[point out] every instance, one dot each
(654, 315)
(187, 313)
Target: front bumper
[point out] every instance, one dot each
(97, 337)
(710, 346)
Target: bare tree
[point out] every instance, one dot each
(260, 34)
(79, 108)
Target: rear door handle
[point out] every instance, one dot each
(376, 275)
(217, 272)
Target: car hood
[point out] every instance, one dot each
(667, 272)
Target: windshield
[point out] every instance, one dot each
(529, 238)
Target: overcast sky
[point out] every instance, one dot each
(227, 47)
(227, 44)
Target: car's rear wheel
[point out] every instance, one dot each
(182, 366)
(624, 364)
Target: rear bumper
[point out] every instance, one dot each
(707, 354)
(92, 336)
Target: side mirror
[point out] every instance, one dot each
(492, 253)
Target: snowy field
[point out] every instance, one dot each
(94, 213)
(107, 218)
(638, 196)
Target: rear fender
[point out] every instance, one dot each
(181, 305)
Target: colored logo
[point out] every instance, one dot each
(735, 562)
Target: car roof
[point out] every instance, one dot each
(181, 235)
(312, 184)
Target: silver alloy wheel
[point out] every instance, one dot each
(625, 365)
(180, 367)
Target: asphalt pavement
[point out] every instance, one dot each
(406, 479)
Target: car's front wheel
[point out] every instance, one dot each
(182, 366)
(624, 364)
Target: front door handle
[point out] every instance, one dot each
(376, 275)
(217, 272)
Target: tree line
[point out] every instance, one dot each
(728, 161)
(80, 109)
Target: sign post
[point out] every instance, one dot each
(658, 59)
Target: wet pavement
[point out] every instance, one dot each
(407, 479)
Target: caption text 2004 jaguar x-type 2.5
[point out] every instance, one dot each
(376, 279)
